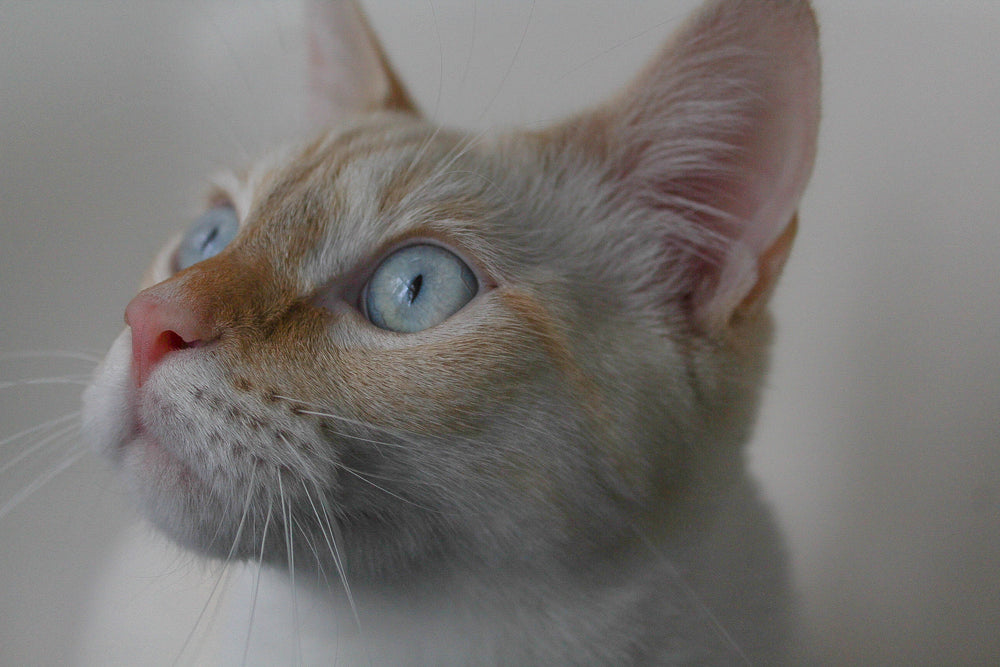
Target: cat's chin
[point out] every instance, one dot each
(148, 462)
(108, 419)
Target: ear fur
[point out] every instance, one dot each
(349, 72)
(716, 138)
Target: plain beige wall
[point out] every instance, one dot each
(879, 443)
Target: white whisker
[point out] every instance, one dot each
(41, 481)
(311, 543)
(51, 354)
(460, 150)
(225, 566)
(256, 583)
(329, 531)
(384, 490)
(286, 519)
(440, 83)
(80, 380)
(510, 65)
(39, 427)
(44, 442)
(472, 47)
(692, 595)
(423, 149)
(406, 436)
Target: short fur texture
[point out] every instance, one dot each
(552, 475)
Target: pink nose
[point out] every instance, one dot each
(161, 326)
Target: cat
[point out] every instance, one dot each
(486, 395)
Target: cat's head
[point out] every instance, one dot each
(425, 345)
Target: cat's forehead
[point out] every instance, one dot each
(353, 191)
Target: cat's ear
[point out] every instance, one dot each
(349, 72)
(719, 132)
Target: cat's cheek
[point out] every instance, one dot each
(108, 418)
(151, 468)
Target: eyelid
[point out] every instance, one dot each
(364, 278)
(459, 250)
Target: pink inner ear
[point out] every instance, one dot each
(777, 166)
(721, 129)
(349, 72)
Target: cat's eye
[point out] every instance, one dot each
(418, 287)
(207, 236)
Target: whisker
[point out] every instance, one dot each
(327, 530)
(80, 380)
(224, 570)
(692, 594)
(345, 420)
(461, 148)
(286, 519)
(330, 535)
(351, 436)
(392, 431)
(407, 437)
(386, 491)
(423, 149)
(510, 66)
(243, 516)
(38, 427)
(440, 82)
(224, 573)
(51, 354)
(472, 47)
(304, 465)
(41, 481)
(311, 543)
(44, 442)
(256, 585)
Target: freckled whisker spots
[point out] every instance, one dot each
(242, 384)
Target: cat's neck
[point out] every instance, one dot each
(664, 576)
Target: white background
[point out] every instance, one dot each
(879, 443)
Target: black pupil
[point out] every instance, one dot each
(413, 289)
(211, 237)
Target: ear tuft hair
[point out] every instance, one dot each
(715, 139)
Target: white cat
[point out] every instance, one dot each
(484, 397)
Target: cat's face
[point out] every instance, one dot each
(284, 393)
(434, 347)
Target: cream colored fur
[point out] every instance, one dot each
(552, 475)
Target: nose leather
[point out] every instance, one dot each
(161, 326)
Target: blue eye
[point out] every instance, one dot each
(207, 236)
(418, 287)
